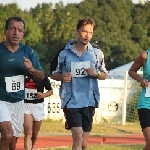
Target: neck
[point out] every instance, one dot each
(80, 47)
(11, 47)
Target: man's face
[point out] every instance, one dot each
(85, 33)
(15, 32)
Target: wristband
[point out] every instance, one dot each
(98, 76)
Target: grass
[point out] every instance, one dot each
(105, 128)
(109, 129)
(107, 147)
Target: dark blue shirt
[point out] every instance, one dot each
(11, 67)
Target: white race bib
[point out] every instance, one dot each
(78, 68)
(14, 83)
(147, 94)
(30, 94)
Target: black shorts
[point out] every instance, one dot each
(79, 117)
(144, 117)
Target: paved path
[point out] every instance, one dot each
(64, 141)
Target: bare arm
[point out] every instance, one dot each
(102, 76)
(43, 95)
(57, 76)
(61, 77)
(139, 62)
(38, 74)
(92, 72)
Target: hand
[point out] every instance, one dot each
(144, 83)
(91, 72)
(39, 95)
(67, 77)
(28, 64)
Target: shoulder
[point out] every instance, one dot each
(143, 54)
(97, 50)
(27, 51)
(2, 46)
(26, 48)
(1, 43)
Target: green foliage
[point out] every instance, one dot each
(123, 28)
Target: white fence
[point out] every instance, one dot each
(115, 92)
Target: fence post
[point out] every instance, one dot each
(124, 99)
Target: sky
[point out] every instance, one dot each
(25, 4)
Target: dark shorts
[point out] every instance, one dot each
(144, 117)
(79, 117)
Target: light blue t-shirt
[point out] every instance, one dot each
(82, 90)
(13, 71)
(144, 102)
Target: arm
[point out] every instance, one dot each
(47, 86)
(43, 95)
(96, 74)
(61, 77)
(102, 76)
(139, 62)
(103, 70)
(100, 73)
(57, 76)
(38, 74)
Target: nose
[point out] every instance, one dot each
(88, 34)
(16, 31)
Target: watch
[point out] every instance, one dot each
(99, 74)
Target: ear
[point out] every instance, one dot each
(76, 31)
(5, 32)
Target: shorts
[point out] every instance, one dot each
(79, 117)
(144, 117)
(36, 110)
(13, 112)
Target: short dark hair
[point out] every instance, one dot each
(13, 18)
(84, 21)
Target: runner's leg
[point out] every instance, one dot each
(77, 135)
(35, 129)
(28, 123)
(85, 140)
(6, 135)
(146, 133)
(12, 145)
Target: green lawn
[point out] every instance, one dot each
(109, 129)
(107, 147)
(105, 128)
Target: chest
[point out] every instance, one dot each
(11, 63)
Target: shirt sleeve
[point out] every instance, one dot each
(102, 67)
(35, 60)
(47, 83)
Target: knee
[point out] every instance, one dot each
(34, 138)
(6, 137)
(78, 136)
(84, 147)
(28, 133)
(148, 146)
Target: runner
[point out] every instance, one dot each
(143, 105)
(79, 67)
(15, 59)
(34, 107)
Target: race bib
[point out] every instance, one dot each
(147, 93)
(30, 94)
(78, 68)
(14, 83)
